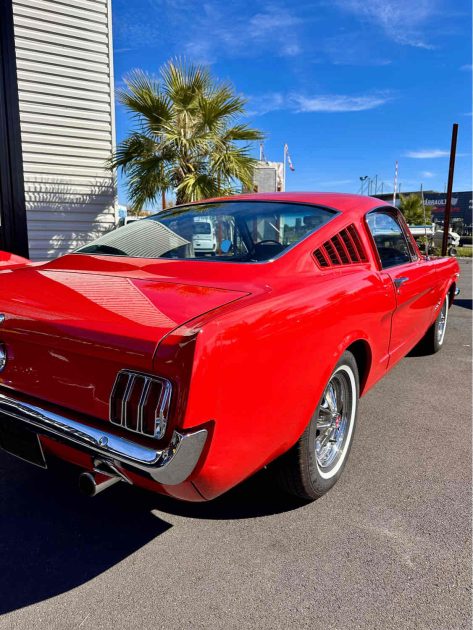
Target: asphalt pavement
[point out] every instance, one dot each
(388, 547)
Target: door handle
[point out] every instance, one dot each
(398, 282)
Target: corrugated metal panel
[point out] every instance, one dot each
(58, 32)
(31, 120)
(86, 6)
(66, 110)
(87, 82)
(49, 57)
(46, 88)
(31, 130)
(62, 186)
(61, 10)
(66, 26)
(30, 104)
(61, 49)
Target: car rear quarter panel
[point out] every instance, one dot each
(448, 271)
(261, 367)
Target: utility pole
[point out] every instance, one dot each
(448, 204)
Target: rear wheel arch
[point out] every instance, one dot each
(451, 293)
(361, 350)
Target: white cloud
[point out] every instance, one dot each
(338, 102)
(211, 30)
(261, 104)
(402, 20)
(224, 30)
(272, 19)
(265, 103)
(427, 174)
(426, 154)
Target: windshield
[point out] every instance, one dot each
(202, 228)
(244, 231)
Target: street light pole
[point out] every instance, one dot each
(362, 180)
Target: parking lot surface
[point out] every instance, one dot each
(388, 547)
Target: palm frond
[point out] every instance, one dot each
(221, 105)
(144, 99)
(195, 186)
(184, 83)
(243, 133)
(188, 136)
(146, 179)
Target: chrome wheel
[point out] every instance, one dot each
(334, 424)
(442, 322)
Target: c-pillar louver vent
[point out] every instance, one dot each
(344, 248)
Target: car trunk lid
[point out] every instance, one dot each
(68, 334)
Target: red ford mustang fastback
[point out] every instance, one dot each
(188, 350)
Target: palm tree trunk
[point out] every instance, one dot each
(163, 199)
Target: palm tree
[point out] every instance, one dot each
(187, 136)
(413, 210)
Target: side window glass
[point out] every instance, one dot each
(392, 246)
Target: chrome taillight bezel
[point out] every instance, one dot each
(133, 383)
(3, 356)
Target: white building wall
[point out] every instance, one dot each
(65, 78)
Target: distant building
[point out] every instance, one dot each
(63, 93)
(267, 177)
(461, 216)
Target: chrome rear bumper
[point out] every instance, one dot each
(168, 466)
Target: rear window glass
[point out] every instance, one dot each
(239, 231)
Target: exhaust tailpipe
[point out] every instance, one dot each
(88, 484)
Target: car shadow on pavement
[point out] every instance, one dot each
(256, 497)
(464, 303)
(53, 539)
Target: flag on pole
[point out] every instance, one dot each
(396, 175)
(288, 158)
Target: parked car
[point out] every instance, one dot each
(435, 237)
(204, 238)
(127, 220)
(143, 364)
(453, 241)
(426, 231)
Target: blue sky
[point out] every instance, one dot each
(350, 85)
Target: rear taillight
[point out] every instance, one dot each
(140, 403)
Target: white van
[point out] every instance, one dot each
(204, 238)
